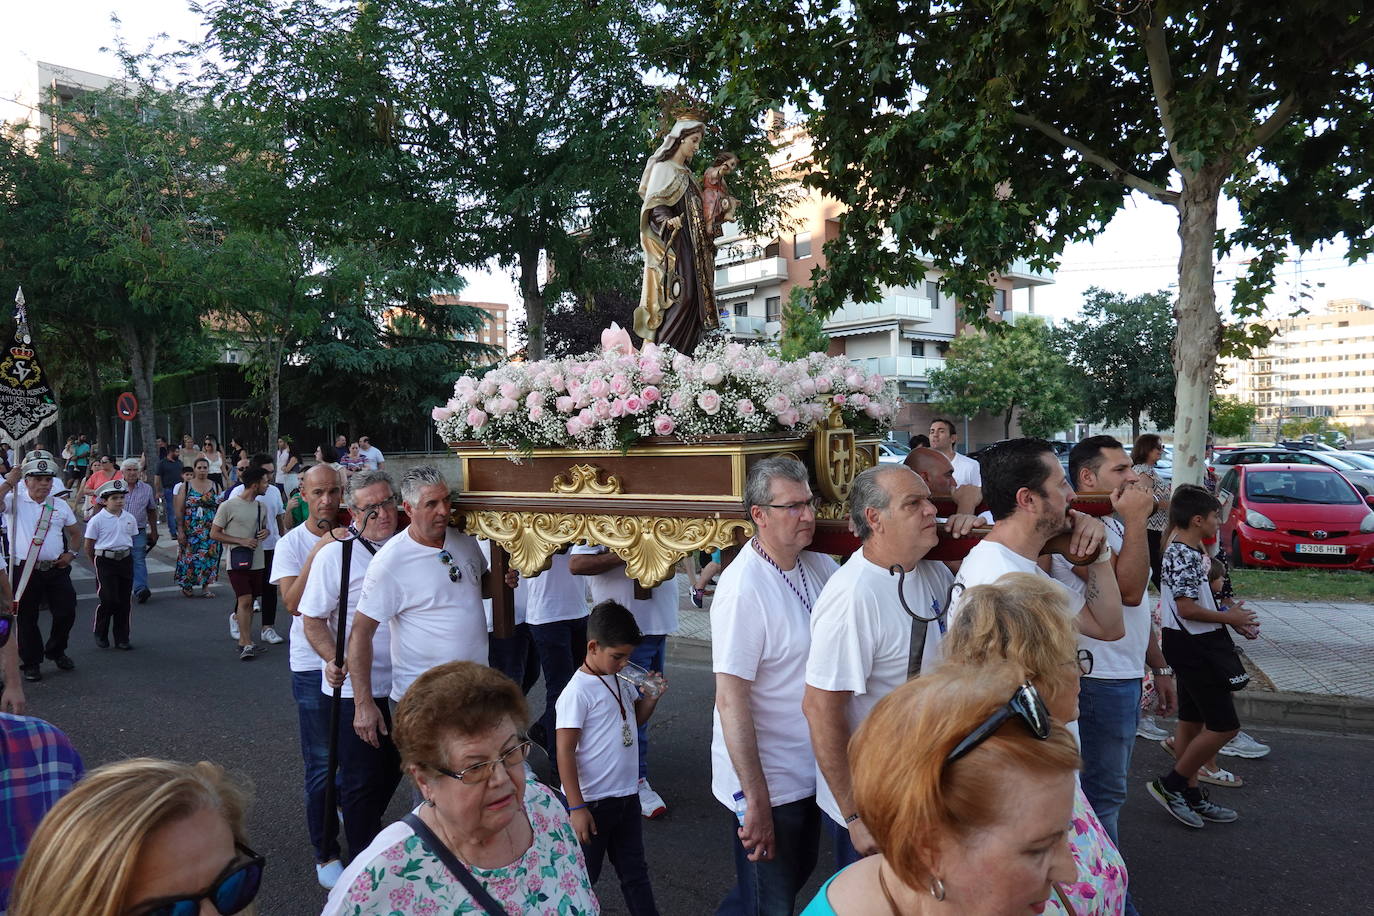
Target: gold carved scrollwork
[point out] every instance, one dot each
(651, 546)
(581, 480)
(830, 512)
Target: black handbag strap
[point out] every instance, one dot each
(459, 870)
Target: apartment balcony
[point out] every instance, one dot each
(900, 368)
(745, 327)
(890, 308)
(762, 271)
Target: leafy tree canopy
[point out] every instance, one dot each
(803, 331)
(1231, 417)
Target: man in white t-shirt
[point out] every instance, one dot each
(760, 637)
(556, 611)
(50, 581)
(427, 585)
(656, 616)
(1109, 697)
(291, 565)
(1029, 498)
(370, 453)
(277, 523)
(864, 642)
(943, 438)
(369, 766)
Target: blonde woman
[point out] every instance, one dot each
(967, 784)
(1025, 619)
(144, 836)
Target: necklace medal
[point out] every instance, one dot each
(625, 737)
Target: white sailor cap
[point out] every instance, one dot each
(112, 488)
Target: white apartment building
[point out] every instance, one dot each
(1319, 364)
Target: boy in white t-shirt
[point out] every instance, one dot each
(598, 755)
(109, 545)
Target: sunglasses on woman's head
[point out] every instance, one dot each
(454, 573)
(231, 892)
(1025, 704)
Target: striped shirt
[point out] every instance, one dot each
(137, 502)
(38, 766)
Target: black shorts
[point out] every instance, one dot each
(247, 581)
(1202, 696)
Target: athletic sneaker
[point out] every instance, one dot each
(650, 802)
(257, 605)
(698, 597)
(1174, 803)
(329, 873)
(1147, 729)
(246, 653)
(233, 626)
(1242, 745)
(1210, 810)
(270, 636)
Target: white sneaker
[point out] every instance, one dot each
(257, 605)
(650, 802)
(270, 636)
(1242, 745)
(233, 625)
(329, 873)
(1147, 729)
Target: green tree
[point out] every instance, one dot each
(1006, 371)
(973, 134)
(803, 331)
(1121, 345)
(1230, 417)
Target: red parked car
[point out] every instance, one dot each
(1296, 515)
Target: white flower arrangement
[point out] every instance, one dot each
(610, 399)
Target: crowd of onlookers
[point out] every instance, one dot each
(962, 730)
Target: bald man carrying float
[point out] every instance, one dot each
(938, 473)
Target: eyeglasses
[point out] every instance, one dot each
(1025, 704)
(454, 573)
(796, 509)
(479, 773)
(1084, 660)
(6, 627)
(231, 893)
(364, 511)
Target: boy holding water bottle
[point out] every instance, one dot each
(598, 716)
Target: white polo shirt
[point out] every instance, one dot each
(27, 522)
(111, 532)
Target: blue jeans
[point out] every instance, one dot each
(140, 555)
(845, 853)
(649, 655)
(515, 657)
(620, 836)
(169, 506)
(367, 776)
(562, 647)
(1107, 714)
(771, 888)
(312, 709)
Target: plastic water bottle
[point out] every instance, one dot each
(741, 806)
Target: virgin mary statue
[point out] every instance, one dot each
(678, 298)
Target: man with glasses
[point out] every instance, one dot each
(291, 566)
(427, 585)
(43, 530)
(871, 631)
(760, 638)
(369, 764)
(656, 616)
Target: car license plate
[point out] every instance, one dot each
(1336, 549)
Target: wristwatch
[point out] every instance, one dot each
(1166, 671)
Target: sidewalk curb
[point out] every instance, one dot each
(1315, 712)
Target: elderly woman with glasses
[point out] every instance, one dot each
(144, 836)
(967, 783)
(1025, 619)
(486, 838)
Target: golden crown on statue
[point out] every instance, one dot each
(679, 104)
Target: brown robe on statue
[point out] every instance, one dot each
(691, 291)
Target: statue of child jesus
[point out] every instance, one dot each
(717, 202)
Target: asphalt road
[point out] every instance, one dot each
(1303, 844)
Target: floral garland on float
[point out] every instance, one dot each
(611, 399)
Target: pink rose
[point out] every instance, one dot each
(634, 404)
(598, 388)
(675, 400)
(476, 418)
(664, 425)
(602, 410)
(788, 417)
(853, 380)
(564, 404)
(536, 414)
(840, 400)
(858, 400)
(535, 399)
(874, 384)
(709, 401)
(650, 394)
(712, 373)
(573, 426)
(487, 387)
(807, 386)
(506, 405)
(440, 414)
(745, 407)
(618, 407)
(557, 382)
(778, 403)
(620, 385)
(822, 383)
(874, 410)
(510, 390)
(650, 371)
(586, 416)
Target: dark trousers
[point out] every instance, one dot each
(845, 853)
(169, 505)
(515, 657)
(771, 888)
(367, 776)
(562, 648)
(55, 587)
(1155, 540)
(114, 584)
(312, 713)
(620, 836)
(269, 592)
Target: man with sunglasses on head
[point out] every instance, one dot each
(426, 584)
(369, 764)
(867, 636)
(43, 532)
